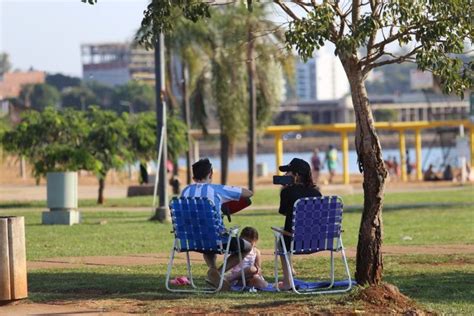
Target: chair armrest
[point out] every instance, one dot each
(233, 230)
(282, 231)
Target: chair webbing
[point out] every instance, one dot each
(317, 224)
(197, 225)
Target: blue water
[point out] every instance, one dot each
(429, 156)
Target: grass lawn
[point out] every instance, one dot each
(439, 282)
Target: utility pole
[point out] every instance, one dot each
(252, 141)
(161, 212)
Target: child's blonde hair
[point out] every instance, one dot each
(249, 233)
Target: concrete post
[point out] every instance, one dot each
(13, 280)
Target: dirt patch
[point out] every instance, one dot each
(386, 298)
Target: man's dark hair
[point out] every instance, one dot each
(201, 169)
(249, 233)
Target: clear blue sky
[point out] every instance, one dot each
(47, 34)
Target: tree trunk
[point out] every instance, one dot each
(100, 199)
(369, 264)
(225, 149)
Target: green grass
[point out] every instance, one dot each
(270, 196)
(442, 283)
(128, 232)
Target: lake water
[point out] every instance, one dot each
(429, 156)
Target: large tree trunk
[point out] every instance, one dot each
(100, 199)
(225, 150)
(369, 264)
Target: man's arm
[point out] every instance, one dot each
(246, 193)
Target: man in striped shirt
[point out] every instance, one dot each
(219, 194)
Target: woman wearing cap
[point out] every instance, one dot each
(302, 187)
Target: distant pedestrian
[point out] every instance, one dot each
(409, 165)
(331, 160)
(316, 163)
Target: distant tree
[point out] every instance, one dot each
(78, 98)
(51, 141)
(134, 97)
(301, 119)
(142, 136)
(5, 64)
(105, 95)
(386, 115)
(60, 81)
(107, 142)
(38, 96)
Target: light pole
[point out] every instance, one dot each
(161, 211)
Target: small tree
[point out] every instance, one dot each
(51, 141)
(142, 136)
(134, 97)
(107, 142)
(38, 96)
(79, 98)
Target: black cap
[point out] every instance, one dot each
(296, 165)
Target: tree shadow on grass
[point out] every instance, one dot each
(449, 287)
(59, 285)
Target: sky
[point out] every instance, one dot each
(47, 34)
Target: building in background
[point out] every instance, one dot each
(10, 87)
(117, 63)
(320, 78)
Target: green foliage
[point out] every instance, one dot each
(176, 137)
(107, 140)
(142, 136)
(78, 98)
(38, 96)
(60, 81)
(5, 64)
(134, 97)
(51, 141)
(301, 119)
(386, 115)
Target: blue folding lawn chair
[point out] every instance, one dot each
(198, 226)
(316, 227)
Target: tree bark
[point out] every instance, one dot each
(369, 263)
(100, 199)
(225, 150)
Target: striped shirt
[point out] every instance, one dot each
(217, 193)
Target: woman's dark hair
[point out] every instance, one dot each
(307, 179)
(249, 233)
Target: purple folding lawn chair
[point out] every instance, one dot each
(316, 227)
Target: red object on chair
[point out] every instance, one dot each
(237, 206)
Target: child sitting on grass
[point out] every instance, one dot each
(251, 264)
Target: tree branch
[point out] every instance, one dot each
(394, 60)
(287, 10)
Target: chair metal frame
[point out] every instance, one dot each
(185, 229)
(324, 227)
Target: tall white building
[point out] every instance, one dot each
(321, 78)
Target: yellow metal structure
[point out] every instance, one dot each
(344, 128)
